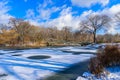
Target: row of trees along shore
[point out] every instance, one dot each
(22, 33)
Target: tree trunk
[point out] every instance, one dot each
(94, 37)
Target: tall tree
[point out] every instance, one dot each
(21, 27)
(94, 23)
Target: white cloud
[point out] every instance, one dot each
(30, 14)
(42, 12)
(25, 0)
(45, 10)
(89, 3)
(4, 16)
(111, 11)
(107, 11)
(65, 19)
(45, 13)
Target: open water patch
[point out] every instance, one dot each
(80, 52)
(1, 53)
(37, 57)
(77, 53)
(16, 55)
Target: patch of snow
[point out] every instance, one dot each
(81, 78)
(9, 77)
(113, 74)
(82, 50)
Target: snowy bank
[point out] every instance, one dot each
(113, 73)
(110, 56)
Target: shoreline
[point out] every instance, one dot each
(33, 47)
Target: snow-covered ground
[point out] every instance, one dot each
(15, 64)
(111, 73)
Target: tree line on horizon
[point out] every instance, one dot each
(22, 33)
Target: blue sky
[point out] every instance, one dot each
(19, 8)
(57, 13)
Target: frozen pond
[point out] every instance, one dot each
(36, 64)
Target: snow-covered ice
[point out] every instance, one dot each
(21, 68)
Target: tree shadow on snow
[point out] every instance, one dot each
(72, 72)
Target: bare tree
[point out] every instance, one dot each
(21, 27)
(35, 34)
(117, 18)
(3, 27)
(66, 31)
(94, 23)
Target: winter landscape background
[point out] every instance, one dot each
(59, 39)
